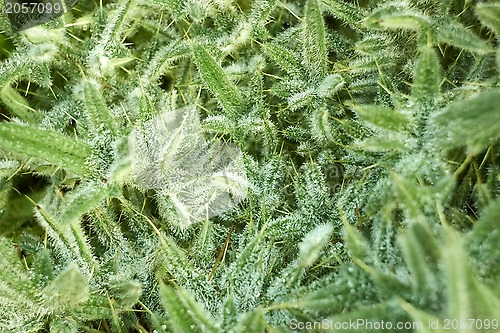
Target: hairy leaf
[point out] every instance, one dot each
(315, 51)
(61, 151)
(473, 121)
(217, 80)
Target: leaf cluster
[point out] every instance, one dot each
(368, 133)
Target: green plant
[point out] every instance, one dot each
(368, 133)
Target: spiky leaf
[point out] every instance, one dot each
(61, 151)
(315, 51)
(217, 80)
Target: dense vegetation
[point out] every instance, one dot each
(367, 132)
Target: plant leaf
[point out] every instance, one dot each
(217, 80)
(427, 77)
(185, 314)
(345, 11)
(489, 14)
(18, 105)
(61, 151)
(313, 244)
(315, 51)
(68, 290)
(467, 297)
(454, 33)
(98, 112)
(383, 117)
(474, 121)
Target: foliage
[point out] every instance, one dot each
(368, 132)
